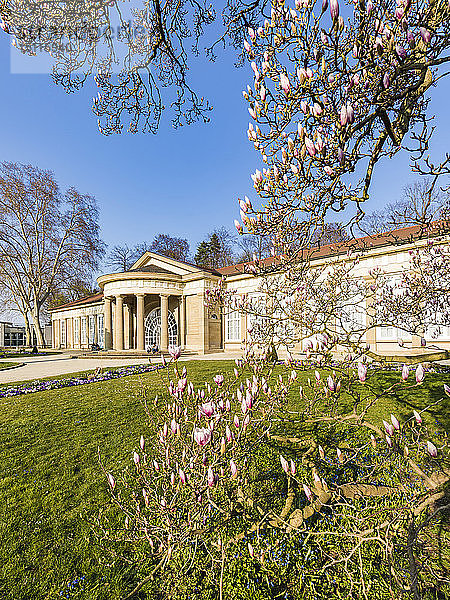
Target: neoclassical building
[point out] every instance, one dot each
(161, 301)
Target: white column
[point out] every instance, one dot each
(164, 340)
(108, 328)
(182, 322)
(118, 336)
(140, 322)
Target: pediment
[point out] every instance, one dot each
(150, 262)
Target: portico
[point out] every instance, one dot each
(147, 306)
(137, 321)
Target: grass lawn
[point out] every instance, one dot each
(6, 365)
(51, 484)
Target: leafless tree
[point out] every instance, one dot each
(173, 247)
(422, 203)
(251, 246)
(47, 238)
(121, 258)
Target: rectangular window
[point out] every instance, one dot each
(101, 331)
(91, 329)
(76, 331)
(233, 326)
(63, 332)
(83, 330)
(388, 333)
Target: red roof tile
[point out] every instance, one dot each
(81, 302)
(375, 240)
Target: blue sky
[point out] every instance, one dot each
(183, 182)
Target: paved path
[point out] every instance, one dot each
(38, 367)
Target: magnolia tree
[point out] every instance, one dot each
(267, 483)
(337, 88)
(280, 483)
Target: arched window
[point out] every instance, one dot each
(153, 329)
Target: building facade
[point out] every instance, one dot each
(11, 336)
(161, 302)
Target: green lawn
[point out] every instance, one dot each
(6, 365)
(52, 487)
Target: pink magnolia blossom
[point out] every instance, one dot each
(284, 464)
(350, 113)
(182, 476)
(405, 372)
(202, 435)
(420, 374)
(233, 469)
(417, 417)
(388, 427)
(447, 389)
(285, 83)
(334, 9)
(211, 478)
(136, 458)
(425, 35)
(331, 384)
(432, 450)
(293, 468)
(219, 379)
(251, 550)
(310, 146)
(308, 492)
(319, 143)
(238, 226)
(142, 443)
(343, 115)
(208, 409)
(175, 352)
(388, 441)
(362, 372)
(111, 481)
(321, 452)
(373, 440)
(339, 455)
(395, 422)
(247, 46)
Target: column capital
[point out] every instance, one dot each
(140, 294)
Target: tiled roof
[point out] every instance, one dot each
(150, 269)
(81, 302)
(392, 238)
(368, 242)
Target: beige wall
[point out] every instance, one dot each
(204, 333)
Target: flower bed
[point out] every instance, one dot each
(52, 384)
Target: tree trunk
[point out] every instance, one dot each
(27, 329)
(38, 329)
